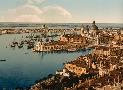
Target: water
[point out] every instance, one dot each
(56, 25)
(22, 70)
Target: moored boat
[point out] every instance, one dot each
(30, 46)
(13, 45)
(72, 49)
(3, 60)
(20, 46)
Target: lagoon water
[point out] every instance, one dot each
(22, 70)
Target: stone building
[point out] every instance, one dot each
(81, 65)
(50, 46)
(77, 69)
(73, 38)
(102, 51)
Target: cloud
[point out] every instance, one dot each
(28, 13)
(32, 13)
(57, 10)
(25, 9)
(34, 1)
(56, 14)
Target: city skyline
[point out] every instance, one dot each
(62, 11)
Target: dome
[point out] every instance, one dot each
(94, 27)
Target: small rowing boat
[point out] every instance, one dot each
(2, 60)
(72, 49)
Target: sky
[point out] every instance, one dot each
(61, 11)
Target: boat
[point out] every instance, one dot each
(72, 49)
(20, 46)
(89, 48)
(26, 53)
(84, 49)
(22, 42)
(13, 45)
(30, 46)
(2, 60)
(33, 49)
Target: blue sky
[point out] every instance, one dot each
(103, 11)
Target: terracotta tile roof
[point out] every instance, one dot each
(104, 48)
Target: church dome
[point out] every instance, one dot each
(94, 27)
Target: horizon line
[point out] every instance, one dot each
(62, 22)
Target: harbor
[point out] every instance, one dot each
(28, 62)
(23, 66)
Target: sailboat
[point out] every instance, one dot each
(3, 60)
